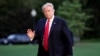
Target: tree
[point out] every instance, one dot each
(92, 7)
(75, 17)
(15, 16)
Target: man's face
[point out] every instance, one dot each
(48, 12)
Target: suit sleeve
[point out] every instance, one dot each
(67, 39)
(36, 31)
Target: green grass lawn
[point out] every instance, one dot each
(87, 49)
(18, 50)
(80, 49)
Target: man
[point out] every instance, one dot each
(52, 33)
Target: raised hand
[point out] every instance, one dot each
(30, 34)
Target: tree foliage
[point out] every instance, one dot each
(75, 17)
(15, 16)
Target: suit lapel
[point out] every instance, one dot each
(53, 25)
(43, 26)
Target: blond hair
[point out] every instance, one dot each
(47, 4)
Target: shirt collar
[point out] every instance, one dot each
(52, 19)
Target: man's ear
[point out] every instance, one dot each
(54, 10)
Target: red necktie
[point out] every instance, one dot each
(45, 37)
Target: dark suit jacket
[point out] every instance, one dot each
(60, 42)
